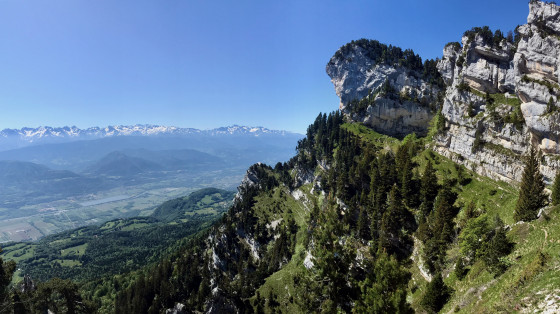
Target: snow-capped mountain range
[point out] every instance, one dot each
(15, 138)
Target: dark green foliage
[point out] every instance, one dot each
(436, 295)
(444, 211)
(158, 287)
(428, 188)
(531, 191)
(396, 217)
(470, 211)
(320, 141)
(460, 61)
(463, 87)
(439, 122)
(478, 142)
(496, 247)
(360, 106)
(455, 45)
(550, 106)
(55, 295)
(367, 182)
(409, 186)
(516, 117)
(460, 268)
(556, 189)
(492, 40)
(332, 259)
(437, 230)
(384, 289)
(6, 271)
(485, 241)
(364, 231)
(59, 296)
(391, 55)
(498, 38)
(370, 194)
(471, 112)
(462, 177)
(185, 275)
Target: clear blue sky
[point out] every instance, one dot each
(205, 64)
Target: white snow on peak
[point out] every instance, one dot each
(47, 134)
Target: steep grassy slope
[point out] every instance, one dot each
(490, 197)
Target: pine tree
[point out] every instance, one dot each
(436, 295)
(6, 271)
(429, 188)
(531, 192)
(556, 189)
(497, 247)
(332, 260)
(363, 225)
(384, 289)
(407, 185)
(390, 238)
(444, 212)
(387, 171)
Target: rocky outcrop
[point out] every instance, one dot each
(500, 94)
(391, 98)
(498, 103)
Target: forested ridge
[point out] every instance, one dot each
(355, 221)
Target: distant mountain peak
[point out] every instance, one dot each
(15, 138)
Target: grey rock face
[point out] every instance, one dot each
(477, 133)
(446, 66)
(355, 76)
(487, 68)
(500, 99)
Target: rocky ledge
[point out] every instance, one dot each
(501, 96)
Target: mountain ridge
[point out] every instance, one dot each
(499, 97)
(358, 221)
(17, 138)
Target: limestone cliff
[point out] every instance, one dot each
(384, 87)
(498, 95)
(501, 97)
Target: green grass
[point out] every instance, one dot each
(281, 283)
(525, 283)
(369, 135)
(491, 197)
(478, 190)
(133, 226)
(19, 252)
(278, 204)
(78, 250)
(499, 98)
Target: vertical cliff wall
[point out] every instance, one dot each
(501, 97)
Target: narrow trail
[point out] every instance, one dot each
(545, 237)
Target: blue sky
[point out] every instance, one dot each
(205, 64)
